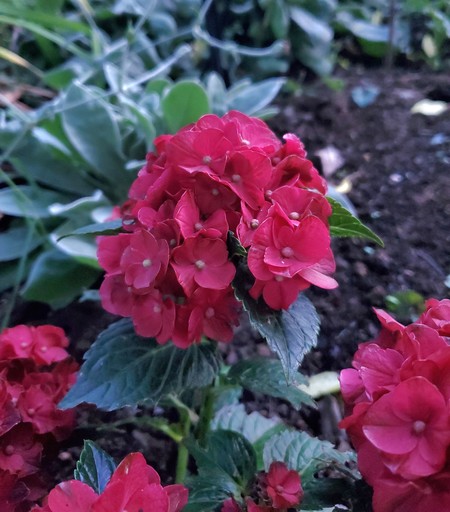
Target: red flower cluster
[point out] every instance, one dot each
(398, 394)
(278, 489)
(134, 487)
(171, 271)
(30, 390)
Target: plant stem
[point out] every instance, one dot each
(183, 454)
(206, 416)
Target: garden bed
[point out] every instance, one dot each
(394, 164)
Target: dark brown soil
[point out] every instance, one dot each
(397, 165)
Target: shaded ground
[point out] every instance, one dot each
(397, 165)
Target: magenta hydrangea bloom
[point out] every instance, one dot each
(134, 487)
(216, 176)
(397, 397)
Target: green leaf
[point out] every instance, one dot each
(12, 243)
(344, 224)
(316, 56)
(90, 125)
(225, 394)
(122, 368)
(185, 103)
(38, 29)
(111, 227)
(255, 427)
(217, 91)
(304, 453)
(266, 376)
(252, 426)
(95, 467)
(290, 334)
(368, 31)
(27, 201)
(82, 250)
(252, 98)
(279, 19)
(316, 29)
(225, 467)
(9, 273)
(157, 86)
(341, 198)
(43, 19)
(57, 279)
(46, 160)
(227, 451)
(235, 248)
(208, 491)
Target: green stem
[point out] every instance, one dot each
(183, 454)
(206, 416)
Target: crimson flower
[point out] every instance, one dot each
(398, 395)
(12, 491)
(437, 316)
(203, 262)
(231, 505)
(143, 259)
(247, 173)
(279, 292)
(153, 315)
(20, 452)
(209, 312)
(71, 496)
(379, 368)
(213, 177)
(250, 132)
(9, 415)
(117, 297)
(191, 223)
(283, 486)
(134, 487)
(253, 507)
(410, 425)
(422, 495)
(44, 344)
(296, 203)
(199, 151)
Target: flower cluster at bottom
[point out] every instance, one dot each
(133, 487)
(277, 490)
(35, 374)
(398, 394)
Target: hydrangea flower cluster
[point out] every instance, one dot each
(398, 394)
(35, 374)
(170, 272)
(278, 489)
(133, 487)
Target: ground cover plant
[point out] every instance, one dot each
(212, 252)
